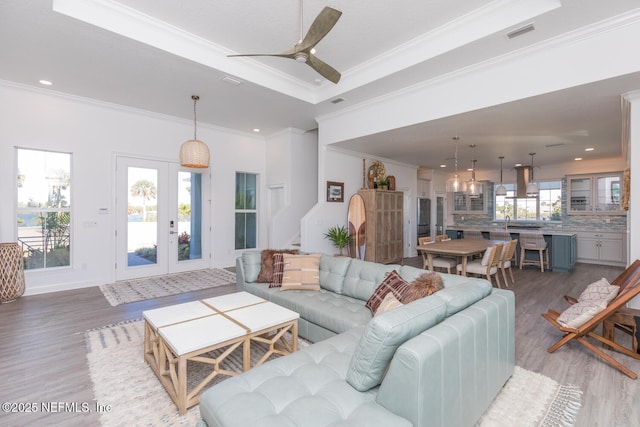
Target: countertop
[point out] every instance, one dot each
(546, 231)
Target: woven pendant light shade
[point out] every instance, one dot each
(194, 154)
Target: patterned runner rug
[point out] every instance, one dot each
(162, 286)
(138, 398)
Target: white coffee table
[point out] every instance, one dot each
(187, 332)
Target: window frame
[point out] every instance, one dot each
(244, 211)
(41, 211)
(511, 191)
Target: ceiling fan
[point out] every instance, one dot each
(303, 50)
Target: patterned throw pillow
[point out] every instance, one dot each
(301, 272)
(278, 268)
(578, 314)
(392, 283)
(599, 292)
(388, 303)
(266, 265)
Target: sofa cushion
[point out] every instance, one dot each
(266, 263)
(301, 272)
(463, 295)
(363, 278)
(251, 261)
(332, 272)
(385, 333)
(394, 284)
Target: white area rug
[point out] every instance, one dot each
(123, 380)
(161, 286)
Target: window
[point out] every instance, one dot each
(547, 206)
(246, 210)
(44, 208)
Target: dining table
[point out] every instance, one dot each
(461, 248)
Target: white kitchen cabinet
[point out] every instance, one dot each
(595, 194)
(602, 248)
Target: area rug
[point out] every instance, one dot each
(161, 286)
(123, 380)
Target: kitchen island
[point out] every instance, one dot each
(562, 244)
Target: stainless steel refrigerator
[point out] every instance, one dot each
(424, 217)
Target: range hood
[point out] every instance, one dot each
(522, 179)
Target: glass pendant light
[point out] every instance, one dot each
(453, 184)
(501, 190)
(473, 186)
(532, 187)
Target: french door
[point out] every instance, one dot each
(161, 218)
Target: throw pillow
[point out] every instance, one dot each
(392, 283)
(266, 265)
(388, 303)
(600, 292)
(278, 269)
(578, 314)
(301, 272)
(423, 286)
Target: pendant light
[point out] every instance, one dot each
(532, 187)
(194, 153)
(453, 184)
(472, 186)
(501, 190)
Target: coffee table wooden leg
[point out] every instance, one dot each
(246, 354)
(182, 385)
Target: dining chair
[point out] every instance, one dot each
(506, 260)
(488, 265)
(534, 242)
(442, 237)
(437, 261)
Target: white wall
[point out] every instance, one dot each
(94, 132)
(292, 164)
(344, 166)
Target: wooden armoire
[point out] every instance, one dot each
(384, 226)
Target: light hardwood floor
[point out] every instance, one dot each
(43, 355)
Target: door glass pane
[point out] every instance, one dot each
(189, 216)
(142, 216)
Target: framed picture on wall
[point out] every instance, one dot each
(335, 191)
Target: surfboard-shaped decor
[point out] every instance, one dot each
(357, 223)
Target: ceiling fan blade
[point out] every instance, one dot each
(323, 23)
(324, 69)
(281, 55)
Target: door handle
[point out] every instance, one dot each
(173, 232)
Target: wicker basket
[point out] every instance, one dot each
(11, 272)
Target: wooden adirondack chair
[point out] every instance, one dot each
(580, 333)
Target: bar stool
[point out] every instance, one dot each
(11, 272)
(534, 242)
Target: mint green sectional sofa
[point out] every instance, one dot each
(438, 361)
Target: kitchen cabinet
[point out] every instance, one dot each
(563, 253)
(602, 248)
(462, 203)
(384, 226)
(595, 194)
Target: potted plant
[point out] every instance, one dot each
(383, 183)
(339, 236)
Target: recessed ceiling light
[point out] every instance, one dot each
(45, 82)
(256, 130)
(578, 158)
(589, 149)
(518, 165)
(443, 166)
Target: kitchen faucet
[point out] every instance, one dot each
(507, 219)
